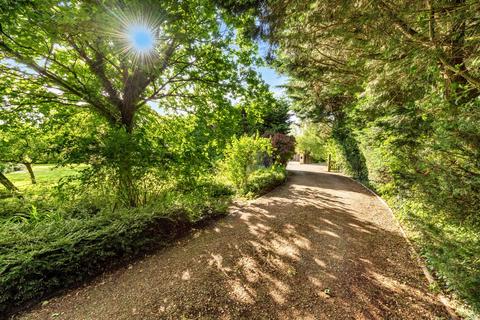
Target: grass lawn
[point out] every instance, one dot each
(46, 174)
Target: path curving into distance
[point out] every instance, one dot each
(319, 247)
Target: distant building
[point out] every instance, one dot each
(303, 158)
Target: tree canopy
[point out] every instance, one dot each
(80, 56)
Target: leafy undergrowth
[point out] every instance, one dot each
(48, 251)
(451, 250)
(47, 245)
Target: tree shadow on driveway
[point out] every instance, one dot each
(316, 248)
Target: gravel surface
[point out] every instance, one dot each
(319, 247)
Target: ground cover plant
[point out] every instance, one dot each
(47, 245)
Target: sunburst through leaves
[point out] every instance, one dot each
(137, 33)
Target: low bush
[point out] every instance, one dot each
(450, 248)
(265, 179)
(242, 158)
(283, 148)
(45, 250)
(53, 239)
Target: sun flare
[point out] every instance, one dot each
(141, 39)
(136, 34)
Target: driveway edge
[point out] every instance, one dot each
(431, 280)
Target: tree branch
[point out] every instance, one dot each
(97, 67)
(59, 81)
(416, 37)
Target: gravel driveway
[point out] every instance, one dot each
(319, 247)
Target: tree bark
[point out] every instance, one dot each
(128, 191)
(7, 183)
(28, 165)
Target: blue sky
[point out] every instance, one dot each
(273, 79)
(269, 75)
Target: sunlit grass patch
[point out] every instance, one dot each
(46, 174)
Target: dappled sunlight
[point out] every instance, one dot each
(316, 282)
(326, 221)
(315, 257)
(359, 228)
(186, 275)
(217, 261)
(328, 233)
(241, 292)
(277, 297)
(283, 252)
(321, 263)
(284, 248)
(250, 269)
(258, 229)
(396, 286)
(275, 258)
(365, 261)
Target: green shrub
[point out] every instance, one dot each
(426, 164)
(57, 237)
(42, 251)
(243, 157)
(265, 179)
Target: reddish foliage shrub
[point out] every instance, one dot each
(283, 147)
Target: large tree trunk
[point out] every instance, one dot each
(28, 165)
(244, 121)
(7, 183)
(128, 191)
(127, 188)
